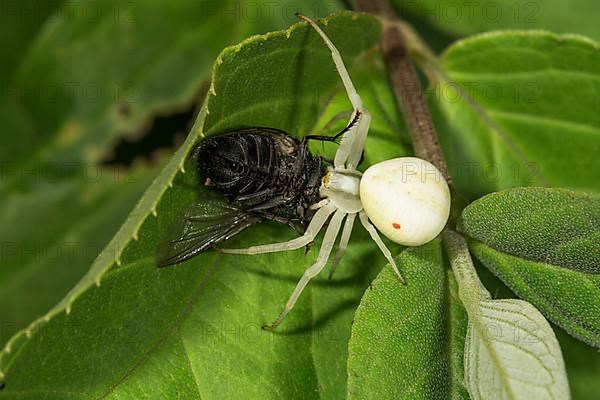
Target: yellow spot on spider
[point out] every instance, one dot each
(326, 180)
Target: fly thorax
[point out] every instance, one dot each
(343, 188)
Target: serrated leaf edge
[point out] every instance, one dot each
(145, 207)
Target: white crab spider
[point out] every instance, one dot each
(406, 198)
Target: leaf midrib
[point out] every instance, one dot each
(475, 320)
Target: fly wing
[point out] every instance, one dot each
(202, 226)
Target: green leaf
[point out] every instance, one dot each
(464, 17)
(388, 136)
(159, 54)
(503, 105)
(582, 363)
(568, 298)
(543, 244)
(126, 317)
(407, 341)
(57, 55)
(511, 351)
(79, 215)
(21, 22)
(553, 226)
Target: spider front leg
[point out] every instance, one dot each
(316, 223)
(328, 240)
(350, 150)
(357, 140)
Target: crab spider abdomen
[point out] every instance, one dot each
(407, 199)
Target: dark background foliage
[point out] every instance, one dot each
(97, 96)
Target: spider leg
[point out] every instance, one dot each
(358, 143)
(339, 64)
(353, 141)
(364, 219)
(312, 231)
(345, 238)
(328, 241)
(320, 204)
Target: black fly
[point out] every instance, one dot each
(264, 173)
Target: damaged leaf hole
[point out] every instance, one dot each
(162, 133)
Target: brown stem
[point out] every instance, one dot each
(407, 87)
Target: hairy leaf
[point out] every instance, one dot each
(553, 226)
(582, 363)
(511, 351)
(543, 243)
(393, 320)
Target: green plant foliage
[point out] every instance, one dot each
(511, 351)
(583, 367)
(464, 17)
(81, 107)
(543, 243)
(79, 217)
(503, 104)
(16, 32)
(76, 77)
(582, 363)
(205, 315)
(392, 321)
